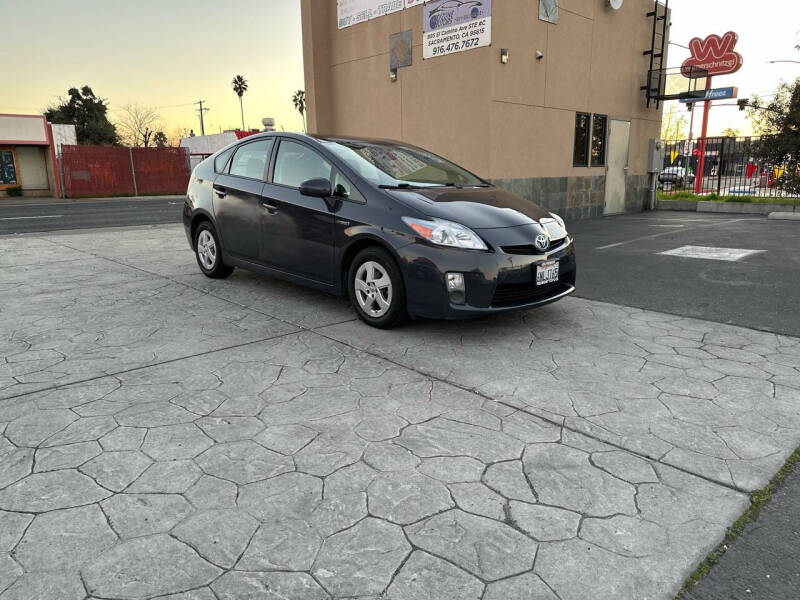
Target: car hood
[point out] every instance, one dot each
(477, 208)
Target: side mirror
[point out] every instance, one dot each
(318, 188)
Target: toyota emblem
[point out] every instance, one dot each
(542, 242)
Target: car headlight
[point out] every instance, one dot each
(559, 220)
(446, 233)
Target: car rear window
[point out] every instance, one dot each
(221, 161)
(250, 159)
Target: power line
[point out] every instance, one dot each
(177, 105)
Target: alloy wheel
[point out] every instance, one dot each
(207, 249)
(373, 289)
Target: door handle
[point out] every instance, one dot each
(220, 191)
(271, 207)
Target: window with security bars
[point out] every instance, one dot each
(580, 154)
(598, 151)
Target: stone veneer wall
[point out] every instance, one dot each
(577, 197)
(637, 193)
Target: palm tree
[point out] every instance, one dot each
(299, 100)
(239, 85)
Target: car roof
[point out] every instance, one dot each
(328, 137)
(318, 137)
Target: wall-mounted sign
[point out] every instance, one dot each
(352, 12)
(451, 26)
(714, 54)
(548, 11)
(400, 54)
(715, 94)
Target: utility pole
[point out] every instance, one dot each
(202, 110)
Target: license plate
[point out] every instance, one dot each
(547, 272)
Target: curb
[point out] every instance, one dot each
(690, 205)
(784, 216)
(741, 208)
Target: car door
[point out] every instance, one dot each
(237, 199)
(298, 230)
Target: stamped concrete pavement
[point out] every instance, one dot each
(164, 435)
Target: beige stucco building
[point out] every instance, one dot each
(523, 123)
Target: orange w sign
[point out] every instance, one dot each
(715, 54)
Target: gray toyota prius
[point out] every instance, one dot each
(399, 230)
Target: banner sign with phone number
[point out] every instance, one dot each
(352, 12)
(451, 26)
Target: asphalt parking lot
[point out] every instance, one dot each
(621, 260)
(163, 433)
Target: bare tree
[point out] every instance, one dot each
(137, 124)
(177, 133)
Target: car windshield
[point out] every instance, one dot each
(395, 166)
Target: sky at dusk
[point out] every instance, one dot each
(157, 53)
(170, 53)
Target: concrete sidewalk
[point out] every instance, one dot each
(164, 433)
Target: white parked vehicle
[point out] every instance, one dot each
(676, 176)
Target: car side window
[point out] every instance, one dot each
(297, 163)
(250, 159)
(221, 161)
(344, 189)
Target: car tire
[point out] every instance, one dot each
(376, 290)
(208, 252)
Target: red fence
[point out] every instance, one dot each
(116, 171)
(161, 170)
(96, 171)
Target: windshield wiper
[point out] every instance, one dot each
(424, 186)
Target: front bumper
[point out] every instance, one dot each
(496, 281)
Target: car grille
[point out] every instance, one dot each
(530, 249)
(519, 293)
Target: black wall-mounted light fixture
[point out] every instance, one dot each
(393, 74)
(539, 55)
(504, 56)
